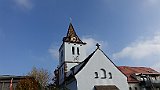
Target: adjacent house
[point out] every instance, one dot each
(9, 81)
(141, 78)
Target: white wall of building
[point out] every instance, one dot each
(86, 77)
(66, 55)
(74, 58)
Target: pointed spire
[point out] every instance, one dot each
(71, 32)
(72, 36)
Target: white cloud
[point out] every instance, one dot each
(141, 49)
(53, 50)
(156, 66)
(146, 51)
(24, 4)
(150, 3)
(91, 44)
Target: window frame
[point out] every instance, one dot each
(73, 50)
(104, 73)
(96, 75)
(110, 75)
(78, 53)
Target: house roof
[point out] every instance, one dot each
(8, 78)
(5, 77)
(129, 71)
(71, 36)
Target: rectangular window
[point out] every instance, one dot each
(136, 88)
(73, 50)
(78, 51)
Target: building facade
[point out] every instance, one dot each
(8, 81)
(76, 71)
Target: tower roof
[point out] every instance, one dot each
(72, 36)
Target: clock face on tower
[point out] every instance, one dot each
(73, 39)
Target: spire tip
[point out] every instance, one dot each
(98, 45)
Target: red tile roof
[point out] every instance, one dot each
(128, 71)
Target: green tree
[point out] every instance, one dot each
(41, 75)
(29, 83)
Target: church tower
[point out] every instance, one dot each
(71, 52)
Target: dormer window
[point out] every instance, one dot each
(73, 50)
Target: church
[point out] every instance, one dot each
(77, 71)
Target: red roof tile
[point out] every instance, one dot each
(128, 71)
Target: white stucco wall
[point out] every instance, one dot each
(70, 57)
(65, 55)
(86, 77)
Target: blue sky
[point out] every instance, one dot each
(31, 31)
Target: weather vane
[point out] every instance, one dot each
(70, 19)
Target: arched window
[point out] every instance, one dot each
(110, 75)
(103, 74)
(96, 74)
(78, 51)
(73, 50)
